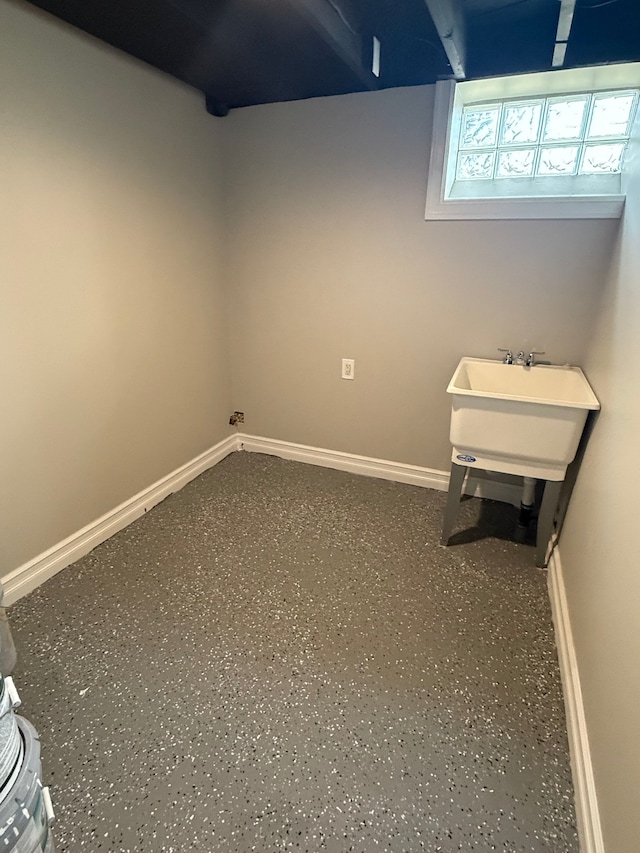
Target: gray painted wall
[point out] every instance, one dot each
(329, 256)
(113, 359)
(599, 548)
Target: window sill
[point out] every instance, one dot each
(524, 208)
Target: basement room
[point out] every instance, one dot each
(318, 427)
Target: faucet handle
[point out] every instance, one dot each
(508, 359)
(531, 358)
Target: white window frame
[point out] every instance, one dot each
(450, 98)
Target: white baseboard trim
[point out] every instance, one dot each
(30, 575)
(399, 472)
(587, 814)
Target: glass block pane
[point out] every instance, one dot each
(564, 119)
(558, 161)
(602, 159)
(611, 114)
(479, 127)
(521, 123)
(474, 166)
(516, 164)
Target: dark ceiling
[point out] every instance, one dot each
(243, 52)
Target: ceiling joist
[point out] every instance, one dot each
(449, 21)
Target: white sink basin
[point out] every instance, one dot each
(519, 420)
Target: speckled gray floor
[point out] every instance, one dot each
(280, 657)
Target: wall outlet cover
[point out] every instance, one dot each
(348, 368)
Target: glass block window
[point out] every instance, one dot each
(583, 134)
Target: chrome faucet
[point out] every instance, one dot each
(521, 358)
(531, 358)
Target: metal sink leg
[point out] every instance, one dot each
(453, 500)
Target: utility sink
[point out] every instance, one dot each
(517, 419)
